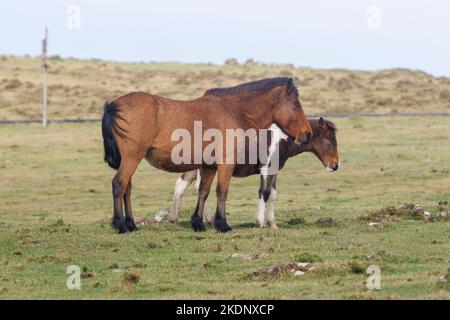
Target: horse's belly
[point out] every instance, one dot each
(245, 170)
(160, 160)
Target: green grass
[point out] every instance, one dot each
(55, 206)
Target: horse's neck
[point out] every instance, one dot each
(254, 111)
(294, 149)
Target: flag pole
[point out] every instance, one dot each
(45, 80)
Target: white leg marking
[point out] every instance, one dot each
(197, 182)
(271, 209)
(260, 215)
(180, 188)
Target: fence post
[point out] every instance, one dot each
(45, 80)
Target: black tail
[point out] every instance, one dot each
(109, 126)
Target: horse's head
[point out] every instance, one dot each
(289, 116)
(324, 144)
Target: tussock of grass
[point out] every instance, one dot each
(357, 268)
(307, 257)
(297, 220)
(130, 278)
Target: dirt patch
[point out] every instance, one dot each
(406, 211)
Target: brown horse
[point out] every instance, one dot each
(323, 145)
(140, 125)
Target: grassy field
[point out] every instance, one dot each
(55, 206)
(78, 88)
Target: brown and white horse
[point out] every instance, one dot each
(139, 125)
(323, 145)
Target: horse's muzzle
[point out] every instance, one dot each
(335, 167)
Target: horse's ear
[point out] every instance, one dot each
(322, 122)
(289, 85)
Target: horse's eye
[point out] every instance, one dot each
(297, 104)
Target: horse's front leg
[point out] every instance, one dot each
(224, 174)
(271, 204)
(207, 177)
(264, 197)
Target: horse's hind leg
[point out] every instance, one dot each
(119, 186)
(181, 186)
(265, 201)
(224, 175)
(207, 177)
(206, 210)
(271, 204)
(129, 221)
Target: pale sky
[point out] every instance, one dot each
(352, 34)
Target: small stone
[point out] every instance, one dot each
(427, 215)
(374, 224)
(235, 255)
(298, 273)
(325, 221)
(443, 203)
(302, 264)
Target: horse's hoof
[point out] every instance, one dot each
(123, 229)
(262, 225)
(199, 228)
(120, 227)
(132, 227)
(129, 223)
(223, 228)
(197, 224)
(273, 226)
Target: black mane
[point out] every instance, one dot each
(264, 84)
